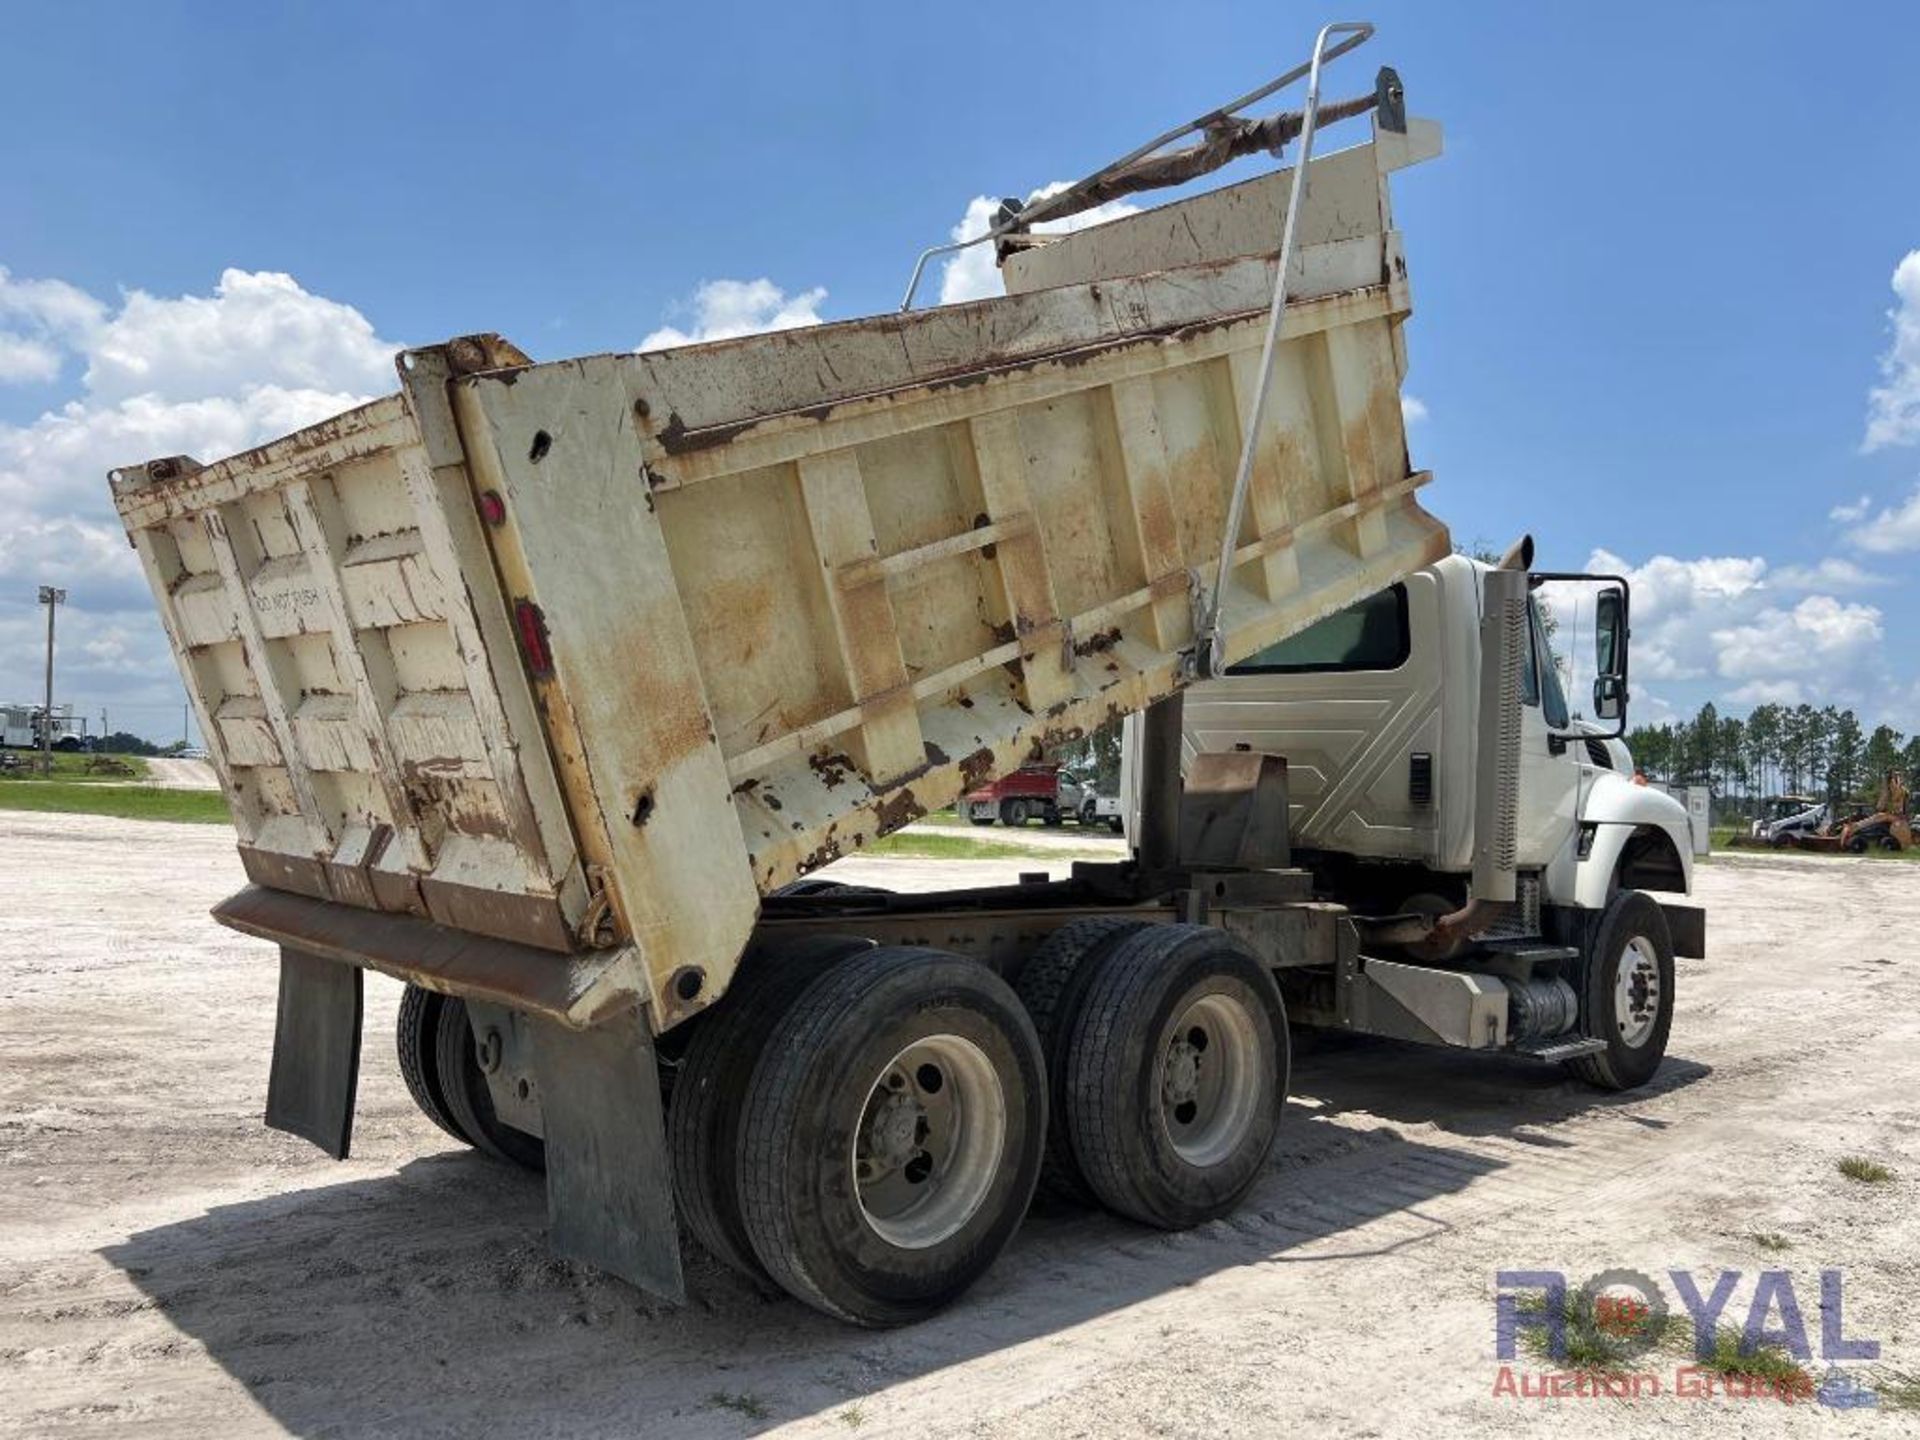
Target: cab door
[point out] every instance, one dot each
(1551, 755)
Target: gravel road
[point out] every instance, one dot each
(169, 1267)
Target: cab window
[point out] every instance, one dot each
(1372, 635)
(1542, 679)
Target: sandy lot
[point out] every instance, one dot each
(166, 773)
(167, 1266)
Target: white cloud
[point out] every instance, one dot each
(201, 375)
(1412, 409)
(256, 330)
(1819, 633)
(971, 274)
(39, 321)
(1769, 692)
(1893, 409)
(1833, 573)
(726, 309)
(1894, 529)
(52, 307)
(24, 358)
(1852, 510)
(1723, 618)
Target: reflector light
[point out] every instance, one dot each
(532, 626)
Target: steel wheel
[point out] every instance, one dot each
(1209, 1080)
(1636, 991)
(929, 1141)
(1626, 992)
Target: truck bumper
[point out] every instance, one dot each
(1687, 925)
(609, 1189)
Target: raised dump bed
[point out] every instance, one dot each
(590, 655)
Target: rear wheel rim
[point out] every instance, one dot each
(930, 1141)
(1636, 992)
(1209, 1090)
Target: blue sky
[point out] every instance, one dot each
(1653, 273)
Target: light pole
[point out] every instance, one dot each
(52, 598)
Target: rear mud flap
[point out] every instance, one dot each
(609, 1191)
(316, 1051)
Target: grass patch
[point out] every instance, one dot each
(125, 802)
(1898, 1390)
(77, 768)
(1586, 1348)
(1771, 1240)
(1590, 1349)
(964, 847)
(1867, 1172)
(1768, 1362)
(853, 1417)
(751, 1406)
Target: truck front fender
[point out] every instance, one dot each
(1636, 839)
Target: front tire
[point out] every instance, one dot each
(891, 1135)
(1177, 1074)
(1628, 1000)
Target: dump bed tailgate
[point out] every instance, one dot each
(336, 622)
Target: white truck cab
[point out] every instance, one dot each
(1394, 806)
(1375, 711)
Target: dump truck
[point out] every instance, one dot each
(546, 687)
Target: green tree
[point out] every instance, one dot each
(1845, 749)
(1881, 755)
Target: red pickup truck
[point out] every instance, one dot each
(1047, 792)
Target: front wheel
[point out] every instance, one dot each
(1629, 993)
(892, 1134)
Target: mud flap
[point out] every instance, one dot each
(316, 1051)
(609, 1192)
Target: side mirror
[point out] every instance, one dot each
(1608, 632)
(1609, 697)
(1610, 654)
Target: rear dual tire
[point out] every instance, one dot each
(710, 1091)
(1176, 1068)
(890, 1136)
(440, 1062)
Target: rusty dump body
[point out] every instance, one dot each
(552, 671)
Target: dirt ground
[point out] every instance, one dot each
(168, 773)
(169, 1267)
